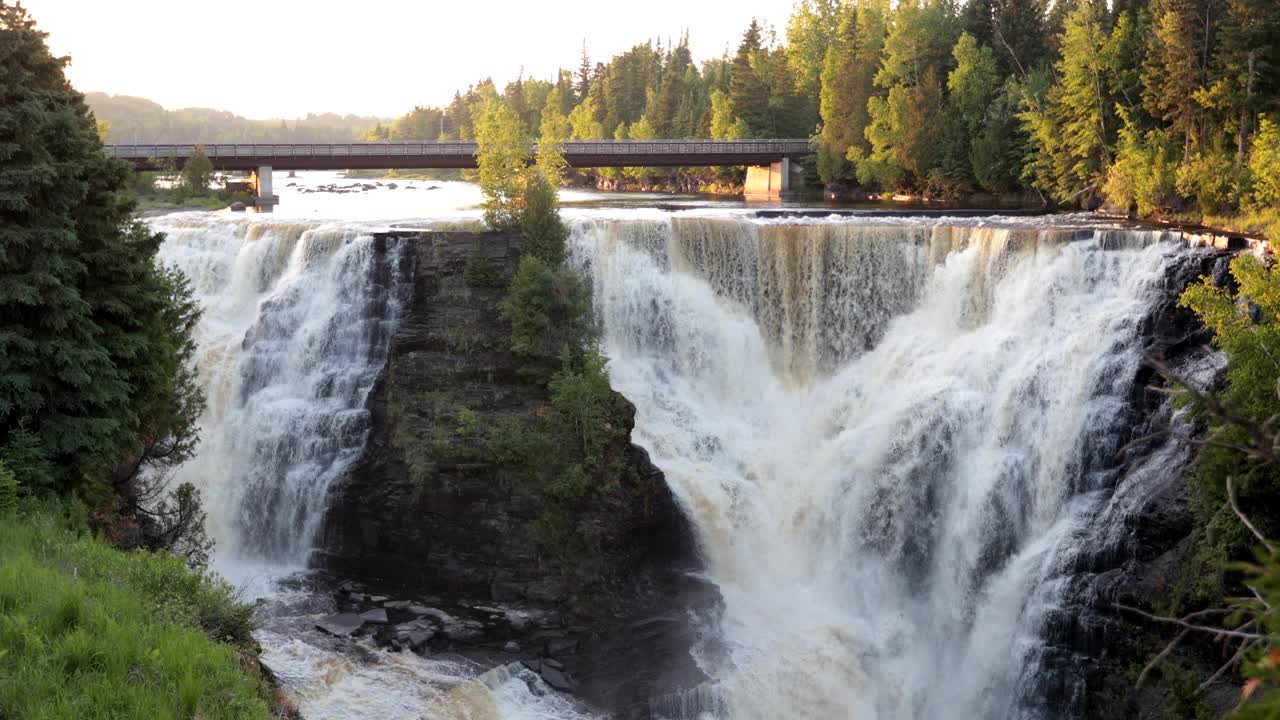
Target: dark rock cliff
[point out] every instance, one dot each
(425, 510)
(1136, 549)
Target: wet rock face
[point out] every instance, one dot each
(1134, 548)
(423, 511)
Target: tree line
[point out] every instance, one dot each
(127, 119)
(1153, 105)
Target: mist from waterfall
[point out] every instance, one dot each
(883, 435)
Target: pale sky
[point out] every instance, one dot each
(285, 58)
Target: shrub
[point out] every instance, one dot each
(483, 272)
(1212, 177)
(583, 401)
(549, 310)
(468, 423)
(544, 232)
(1143, 172)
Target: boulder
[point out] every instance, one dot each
(557, 679)
(237, 206)
(342, 624)
(377, 616)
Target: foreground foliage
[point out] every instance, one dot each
(1236, 489)
(97, 394)
(88, 631)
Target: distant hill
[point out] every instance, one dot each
(135, 118)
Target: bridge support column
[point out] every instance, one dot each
(771, 183)
(265, 200)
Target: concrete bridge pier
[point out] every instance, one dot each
(265, 200)
(778, 182)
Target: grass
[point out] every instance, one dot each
(89, 632)
(162, 202)
(1264, 222)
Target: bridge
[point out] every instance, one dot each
(768, 162)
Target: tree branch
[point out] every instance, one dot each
(1185, 622)
(1235, 506)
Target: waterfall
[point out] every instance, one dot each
(884, 435)
(296, 324)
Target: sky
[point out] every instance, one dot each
(287, 58)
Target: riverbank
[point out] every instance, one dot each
(86, 628)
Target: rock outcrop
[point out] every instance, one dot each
(1136, 549)
(426, 511)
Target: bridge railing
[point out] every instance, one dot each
(456, 149)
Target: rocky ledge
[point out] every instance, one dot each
(427, 518)
(1137, 549)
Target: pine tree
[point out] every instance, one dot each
(584, 75)
(88, 359)
(748, 93)
(1071, 123)
(971, 85)
(1176, 67)
(1246, 67)
(848, 76)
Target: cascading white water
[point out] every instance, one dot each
(297, 319)
(296, 326)
(882, 434)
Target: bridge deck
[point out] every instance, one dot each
(353, 156)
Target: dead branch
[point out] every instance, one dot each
(1185, 622)
(1235, 506)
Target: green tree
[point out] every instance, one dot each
(501, 155)
(197, 173)
(1264, 166)
(554, 132)
(920, 39)
(584, 123)
(1175, 67)
(1143, 172)
(848, 75)
(748, 93)
(1069, 122)
(997, 152)
(811, 29)
(904, 145)
(724, 124)
(972, 86)
(1246, 67)
(78, 289)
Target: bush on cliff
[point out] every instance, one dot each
(571, 450)
(1246, 327)
(549, 309)
(1236, 488)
